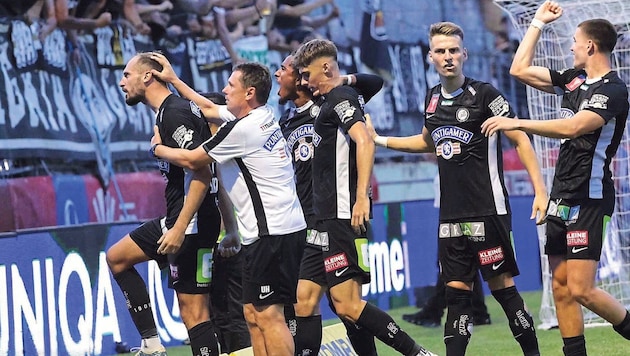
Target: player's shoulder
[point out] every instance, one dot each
(341, 93)
(183, 106)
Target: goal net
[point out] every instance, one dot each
(553, 51)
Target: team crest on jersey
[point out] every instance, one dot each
(314, 111)
(304, 150)
(183, 136)
(435, 98)
(195, 109)
(566, 113)
(448, 149)
(499, 106)
(598, 101)
(345, 111)
(576, 82)
(462, 114)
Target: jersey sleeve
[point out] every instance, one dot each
(496, 103)
(185, 127)
(368, 85)
(227, 143)
(347, 110)
(606, 100)
(564, 79)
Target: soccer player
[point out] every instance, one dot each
(258, 175)
(591, 124)
(181, 240)
(475, 230)
(297, 127)
(342, 167)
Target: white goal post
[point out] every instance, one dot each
(553, 51)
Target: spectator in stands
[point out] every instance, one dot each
(189, 229)
(121, 10)
(475, 231)
(593, 115)
(293, 26)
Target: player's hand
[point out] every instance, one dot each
(361, 215)
(369, 126)
(230, 245)
(171, 241)
(156, 139)
(167, 74)
(539, 208)
(498, 123)
(548, 12)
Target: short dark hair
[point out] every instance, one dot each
(312, 50)
(602, 32)
(258, 76)
(145, 60)
(215, 97)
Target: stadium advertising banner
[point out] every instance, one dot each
(57, 296)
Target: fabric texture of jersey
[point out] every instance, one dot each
(470, 164)
(258, 175)
(334, 161)
(182, 125)
(583, 165)
(297, 128)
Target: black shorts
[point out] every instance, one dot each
(270, 269)
(576, 229)
(190, 269)
(483, 243)
(312, 265)
(347, 254)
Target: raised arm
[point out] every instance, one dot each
(522, 68)
(209, 109)
(367, 84)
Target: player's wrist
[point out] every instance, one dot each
(381, 140)
(537, 24)
(152, 150)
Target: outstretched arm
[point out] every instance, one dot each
(522, 68)
(209, 109)
(421, 143)
(190, 159)
(581, 123)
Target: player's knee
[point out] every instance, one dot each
(307, 305)
(193, 310)
(347, 310)
(581, 294)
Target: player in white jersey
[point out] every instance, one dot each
(591, 124)
(475, 217)
(258, 175)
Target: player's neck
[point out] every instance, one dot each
(597, 67)
(155, 97)
(450, 84)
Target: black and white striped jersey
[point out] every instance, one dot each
(470, 164)
(257, 173)
(583, 165)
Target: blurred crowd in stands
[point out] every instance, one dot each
(285, 22)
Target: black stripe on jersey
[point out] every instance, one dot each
(259, 210)
(220, 135)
